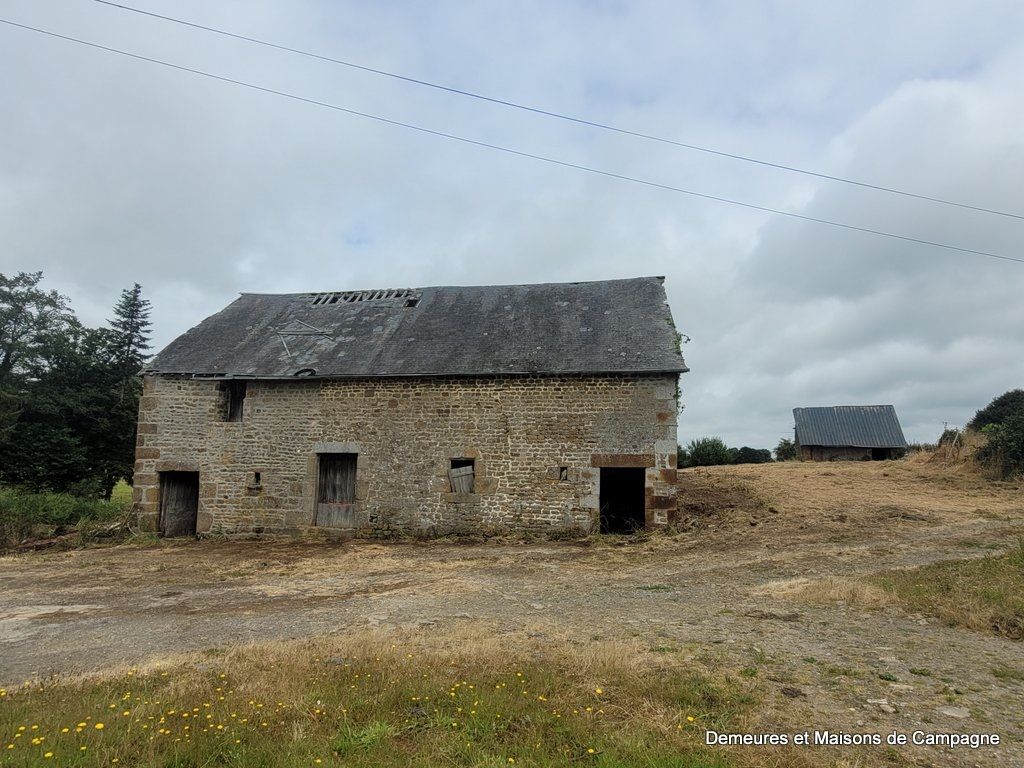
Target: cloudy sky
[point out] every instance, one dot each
(114, 170)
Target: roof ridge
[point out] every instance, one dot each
(660, 278)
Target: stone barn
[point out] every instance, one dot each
(848, 433)
(525, 407)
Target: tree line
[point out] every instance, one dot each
(69, 394)
(712, 451)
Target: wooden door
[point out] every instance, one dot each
(336, 490)
(179, 503)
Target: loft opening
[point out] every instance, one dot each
(621, 500)
(462, 475)
(234, 396)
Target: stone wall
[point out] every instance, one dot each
(520, 430)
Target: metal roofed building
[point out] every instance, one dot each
(549, 406)
(848, 432)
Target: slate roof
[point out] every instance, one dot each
(594, 327)
(858, 426)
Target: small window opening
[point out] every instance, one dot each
(257, 478)
(412, 303)
(235, 391)
(563, 474)
(462, 475)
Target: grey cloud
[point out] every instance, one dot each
(113, 171)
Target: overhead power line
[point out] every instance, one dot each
(562, 116)
(509, 150)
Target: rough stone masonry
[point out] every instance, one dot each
(451, 409)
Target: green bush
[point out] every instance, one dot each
(746, 455)
(999, 410)
(1002, 422)
(1004, 451)
(785, 450)
(22, 513)
(708, 452)
(682, 457)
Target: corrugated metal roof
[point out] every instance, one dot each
(858, 426)
(595, 327)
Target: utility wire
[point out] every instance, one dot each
(561, 116)
(508, 150)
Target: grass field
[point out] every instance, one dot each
(985, 593)
(364, 701)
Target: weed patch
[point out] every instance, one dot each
(367, 701)
(984, 593)
(24, 514)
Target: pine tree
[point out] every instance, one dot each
(128, 348)
(129, 337)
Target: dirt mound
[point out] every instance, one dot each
(710, 500)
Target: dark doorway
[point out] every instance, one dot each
(336, 490)
(879, 454)
(179, 503)
(622, 499)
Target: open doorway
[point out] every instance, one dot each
(179, 503)
(622, 499)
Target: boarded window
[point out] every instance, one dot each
(336, 490)
(462, 475)
(235, 391)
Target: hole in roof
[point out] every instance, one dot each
(305, 372)
(350, 297)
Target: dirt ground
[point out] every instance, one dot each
(705, 594)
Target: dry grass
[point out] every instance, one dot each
(383, 700)
(833, 589)
(984, 593)
(790, 502)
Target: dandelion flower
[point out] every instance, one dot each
(99, 726)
